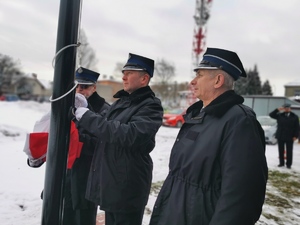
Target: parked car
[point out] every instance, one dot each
(174, 117)
(11, 97)
(269, 126)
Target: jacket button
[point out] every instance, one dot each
(177, 139)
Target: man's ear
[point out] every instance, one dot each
(146, 78)
(219, 80)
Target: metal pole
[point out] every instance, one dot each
(65, 63)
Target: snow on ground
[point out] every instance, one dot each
(21, 185)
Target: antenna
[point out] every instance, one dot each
(202, 14)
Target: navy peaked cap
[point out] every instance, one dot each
(215, 58)
(139, 63)
(286, 105)
(85, 76)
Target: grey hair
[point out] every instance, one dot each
(228, 81)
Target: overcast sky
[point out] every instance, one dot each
(262, 32)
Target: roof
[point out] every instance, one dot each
(44, 83)
(293, 83)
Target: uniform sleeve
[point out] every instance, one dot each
(244, 174)
(296, 127)
(142, 126)
(274, 114)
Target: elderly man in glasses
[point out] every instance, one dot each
(87, 80)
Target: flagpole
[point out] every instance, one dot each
(64, 70)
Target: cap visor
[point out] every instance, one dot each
(132, 68)
(84, 82)
(205, 67)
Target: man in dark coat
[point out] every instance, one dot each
(287, 132)
(217, 170)
(121, 171)
(77, 209)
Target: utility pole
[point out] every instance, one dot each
(58, 143)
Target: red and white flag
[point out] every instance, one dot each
(36, 143)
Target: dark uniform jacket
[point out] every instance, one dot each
(78, 175)
(287, 127)
(121, 172)
(218, 170)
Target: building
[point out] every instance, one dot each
(264, 104)
(107, 87)
(292, 89)
(29, 87)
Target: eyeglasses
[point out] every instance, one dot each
(84, 86)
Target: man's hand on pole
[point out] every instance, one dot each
(79, 112)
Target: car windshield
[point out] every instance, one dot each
(175, 111)
(266, 121)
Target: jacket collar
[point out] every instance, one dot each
(95, 102)
(139, 94)
(219, 106)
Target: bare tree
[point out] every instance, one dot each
(86, 54)
(9, 71)
(118, 70)
(164, 73)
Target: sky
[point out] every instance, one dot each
(263, 33)
(21, 185)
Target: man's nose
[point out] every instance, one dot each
(192, 82)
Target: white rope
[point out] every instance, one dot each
(68, 46)
(75, 82)
(75, 85)
(71, 45)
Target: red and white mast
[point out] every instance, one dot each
(202, 14)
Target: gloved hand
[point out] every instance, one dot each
(79, 112)
(35, 162)
(80, 101)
